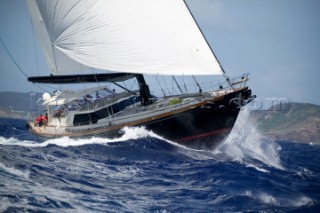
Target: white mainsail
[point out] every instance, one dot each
(134, 36)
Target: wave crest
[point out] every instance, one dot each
(245, 144)
(130, 133)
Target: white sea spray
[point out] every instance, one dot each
(245, 143)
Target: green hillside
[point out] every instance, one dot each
(16, 104)
(295, 121)
(17, 101)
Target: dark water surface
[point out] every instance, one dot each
(141, 172)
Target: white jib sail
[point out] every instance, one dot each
(136, 36)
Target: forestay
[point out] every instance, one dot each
(140, 36)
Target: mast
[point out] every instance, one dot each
(224, 73)
(144, 90)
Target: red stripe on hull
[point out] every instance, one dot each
(215, 132)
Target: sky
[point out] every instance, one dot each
(276, 41)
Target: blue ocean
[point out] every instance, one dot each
(142, 172)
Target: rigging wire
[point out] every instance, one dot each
(55, 63)
(172, 87)
(167, 88)
(217, 60)
(35, 47)
(43, 88)
(19, 68)
(54, 88)
(95, 77)
(14, 61)
(164, 94)
(184, 83)
(200, 89)
(97, 93)
(176, 82)
(165, 83)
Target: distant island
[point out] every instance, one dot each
(17, 105)
(293, 122)
(9, 113)
(298, 122)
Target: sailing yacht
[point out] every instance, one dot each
(116, 41)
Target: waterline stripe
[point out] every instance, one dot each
(215, 132)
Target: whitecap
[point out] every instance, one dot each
(14, 171)
(267, 199)
(301, 201)
(285, 201)
(129, 133)
(257, 168)
(245, 144)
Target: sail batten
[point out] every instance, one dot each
(141, 36)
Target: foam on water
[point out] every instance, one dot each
(242, 145)
(280, 201)
(157, 177)
(129, 133)
(14, 171)
(245, 144)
